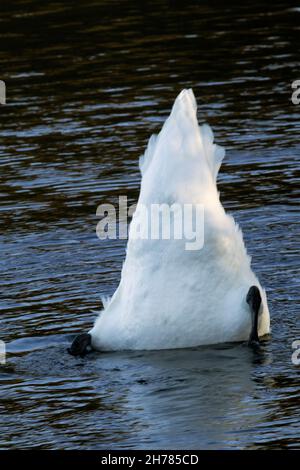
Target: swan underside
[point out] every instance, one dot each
(170, 297)
(82, 344)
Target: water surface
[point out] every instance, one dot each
(87, 83)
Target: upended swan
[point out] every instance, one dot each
(168, 296)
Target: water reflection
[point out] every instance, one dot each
(213, 397)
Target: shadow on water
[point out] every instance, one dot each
(87, 83)
(225, 396)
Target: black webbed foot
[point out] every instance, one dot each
(253, 299)
(81, 345)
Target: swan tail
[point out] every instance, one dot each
(146, 158)
(214, 153)
(182, 136)
(105, 299)
(185, 111)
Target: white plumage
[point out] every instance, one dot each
(170, 297)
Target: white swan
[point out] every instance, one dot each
(168, 296)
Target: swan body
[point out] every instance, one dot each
(168, 296)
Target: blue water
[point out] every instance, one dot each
(87, 83)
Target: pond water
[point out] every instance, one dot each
(87, 83)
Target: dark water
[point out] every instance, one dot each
(87, 83)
